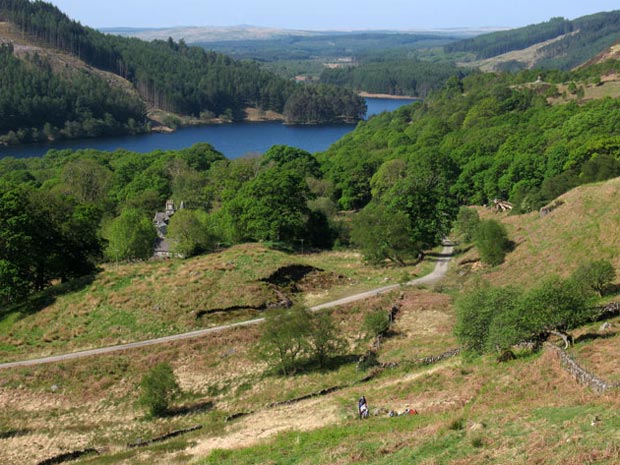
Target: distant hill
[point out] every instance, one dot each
(195, 34)
(208, 34)
(556, 44)
(164, 74)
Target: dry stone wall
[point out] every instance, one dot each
(580, 374)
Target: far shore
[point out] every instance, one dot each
(388, 96)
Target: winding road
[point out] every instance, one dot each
(439, 272)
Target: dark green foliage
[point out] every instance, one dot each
(130, 236)
(324, 340)
(285, 338)
(466, 224)
(596, 275)
(497, 43)
(323, 103)
(271, 206)
(383, 234)
(188, 233)
(492, 242)
(554, 304)
(37, 104)
(292, 338)
(584, 38)
(284, 156)
(172, 76)
(158, 389)
(376, 323)
(44, 237)
(403, 77)
(495, 318)
(495, 138)
(476, 311)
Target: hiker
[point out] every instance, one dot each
(362, 407)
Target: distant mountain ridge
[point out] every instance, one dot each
(557, 44)
(205, 34)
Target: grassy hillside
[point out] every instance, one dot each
(558, 43)
(584, 226)
(130, 302)
(470, 410)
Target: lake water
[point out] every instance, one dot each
(233, 140)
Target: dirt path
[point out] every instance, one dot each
(305, 415)
(439, 272)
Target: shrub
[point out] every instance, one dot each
(159, 388)
(376, 322)
(323, 339)
(467, 222)
(284, 338)
(492, 241)
(595, 275)
(476, 311)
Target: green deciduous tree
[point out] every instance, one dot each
(596, 275)
(285, 338)
(492, 242)
(324, 340)
(188, 233)
(383, 234)
(271, 206)
(130, 236)
(466, 223)
(158, 389)
(376, 323)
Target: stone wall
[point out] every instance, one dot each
(580, 374)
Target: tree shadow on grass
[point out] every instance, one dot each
(14, 433)
(190, 409)
(594, 337)
(36, 302)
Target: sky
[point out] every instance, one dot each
(328, 14)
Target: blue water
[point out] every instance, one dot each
(233, 140)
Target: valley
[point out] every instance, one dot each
(233, 293)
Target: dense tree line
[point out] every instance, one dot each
(39, 104)
(497, 136)
(592, 35)
(402, 77)
(63, 213)
(168, 75)
(317, 104)
(405, 173)
(497, 43)
(583, 39)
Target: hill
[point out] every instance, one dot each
(582, 226)
(468, 409)
(556, 44)
(166, 75)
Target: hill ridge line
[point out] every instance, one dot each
(439, 271)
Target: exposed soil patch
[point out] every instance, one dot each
(303, 278)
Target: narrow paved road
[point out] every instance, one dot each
(438, 273)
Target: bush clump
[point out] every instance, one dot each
(492, 242)
(159, 388)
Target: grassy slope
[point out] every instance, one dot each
(585, 227)
(131, 302)
(471, 411)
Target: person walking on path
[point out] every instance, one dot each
(362, 407)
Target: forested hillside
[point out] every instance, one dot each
(38, 104)
(577, 41)
(397, 77)
(494, 136)
(167, 75)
